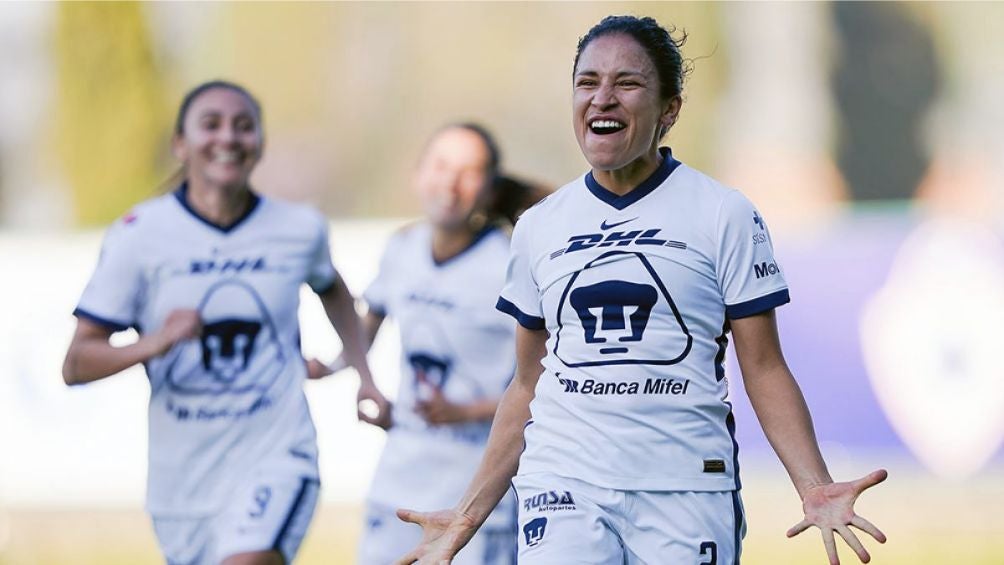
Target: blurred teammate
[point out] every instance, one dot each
(439, 280)
(625, 284)
(210, 276)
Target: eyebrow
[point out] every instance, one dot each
(618, 75)
(211, 112)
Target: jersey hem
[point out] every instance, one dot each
(725, 483)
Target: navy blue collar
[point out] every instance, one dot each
(181, 195)
(477, 239)
(666, 168)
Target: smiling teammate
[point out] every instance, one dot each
(439, 279)
(626, 283)
(210, 277)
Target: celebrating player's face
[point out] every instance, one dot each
(221, 141)
(451, 175)
(618, 112)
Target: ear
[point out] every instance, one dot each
(178, 148)
(670, 113)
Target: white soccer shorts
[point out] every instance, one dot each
(567, 522)
(267, 513)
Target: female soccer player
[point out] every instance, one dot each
(209, 276)
(439, 279)
(625, 284)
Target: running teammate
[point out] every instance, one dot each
(209, 276)
(625, 284)
(439, 280)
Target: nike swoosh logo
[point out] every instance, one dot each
(605, 226)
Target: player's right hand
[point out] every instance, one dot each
(444, 533)
(180, 325)
(373, 407)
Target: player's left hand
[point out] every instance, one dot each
(438, 410)
(831, 509)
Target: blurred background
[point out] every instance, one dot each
(871, 136)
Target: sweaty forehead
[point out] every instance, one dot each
(614, 54)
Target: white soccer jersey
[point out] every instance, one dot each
(232, 399)
(635, 292)
(452, 339)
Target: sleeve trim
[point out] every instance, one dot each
(527, 321)
(757, 305)
(325, 288)
(104, 322)
(377, 309)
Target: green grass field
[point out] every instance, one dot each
(928, 523)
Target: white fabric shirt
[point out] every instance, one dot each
(452, 339)
(635, 292)
(232, 398)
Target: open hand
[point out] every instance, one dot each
(444, 533)
(831, 509)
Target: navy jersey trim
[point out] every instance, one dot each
(304, 483)
(527, 321)
(326, 288)
(730, 424)
(478, 237)
(739, 518)
(666, 168)
(757, 305)
(377, 309)
(112, 325)
(182, 191)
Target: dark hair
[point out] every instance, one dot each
(186, 102)
(494, 155)
(510, 197)
(662, 49)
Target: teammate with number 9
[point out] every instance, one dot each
(209, 276)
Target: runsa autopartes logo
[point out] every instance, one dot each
(606, 309)
(534, 530)
(549, 501)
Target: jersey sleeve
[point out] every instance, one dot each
(112, 296)
(322, 274)
(520, 296)
(377, 294)
(749, 277)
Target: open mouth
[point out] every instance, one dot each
(227, 157)
(605, 127)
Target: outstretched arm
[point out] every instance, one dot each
(339, 305)
(91, 356)
(445, 532)
(371, 327)
(784, 416)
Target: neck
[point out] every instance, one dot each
(221, 205)
(625, 179)
(447, 243)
